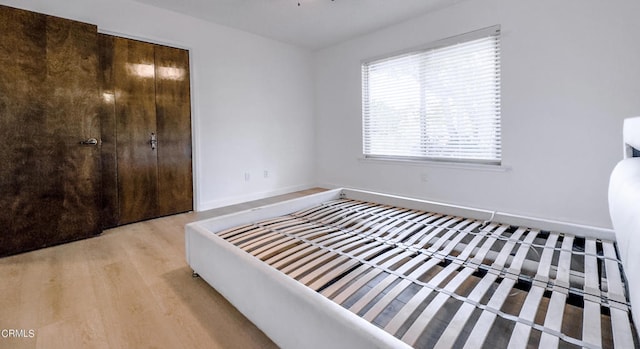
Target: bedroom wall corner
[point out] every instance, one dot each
(252, 99)
(569, 78)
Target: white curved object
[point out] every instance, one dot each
(624, 208)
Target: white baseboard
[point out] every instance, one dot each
(238, 199)
(519, 219)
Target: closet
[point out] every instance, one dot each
(95, 131)
(146, 129)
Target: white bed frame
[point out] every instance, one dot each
(294, 316)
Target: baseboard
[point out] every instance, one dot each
(238, 199)
(518, 219)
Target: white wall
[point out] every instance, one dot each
(570, 74)
(252, 97)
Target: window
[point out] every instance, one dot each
(438, 103)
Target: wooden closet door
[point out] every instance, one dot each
(173, 112)
(145, 89)
(135, 111)
(49, 182)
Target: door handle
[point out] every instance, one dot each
(153, 141)
(90, 141)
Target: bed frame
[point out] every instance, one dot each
(354, 269)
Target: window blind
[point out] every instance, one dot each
(439, 103)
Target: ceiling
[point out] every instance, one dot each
(314, 24)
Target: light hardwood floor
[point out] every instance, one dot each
(127, 288)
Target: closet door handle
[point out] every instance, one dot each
(153, 141)
(90, 141)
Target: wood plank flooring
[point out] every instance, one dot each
(127, 288)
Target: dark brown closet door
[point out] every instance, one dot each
(146, 96)
(135, 110)
(49, 182)
(173, 112)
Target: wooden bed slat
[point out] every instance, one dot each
(553, 320)
(484, 323)
(422, 269)
(329, 272)
(353, 288)
(429, 313)
(401, 317)
(555, 311)
(544, 267)
(385, 301)
(591, 328)
(622, 335)
(521, 332)
(615, 288)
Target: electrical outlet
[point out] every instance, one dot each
(424, 177)
(247, 176)
(266, 174)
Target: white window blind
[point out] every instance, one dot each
(439, 103)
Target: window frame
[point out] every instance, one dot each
(449, 41)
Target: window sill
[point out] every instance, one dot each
(440, 164)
